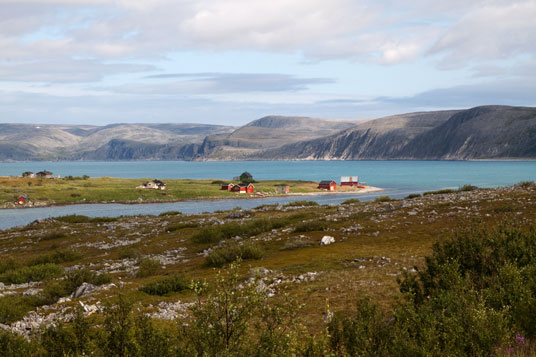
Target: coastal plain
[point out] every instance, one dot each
(375, 243)
(57, 191)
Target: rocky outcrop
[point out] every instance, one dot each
(489, 132)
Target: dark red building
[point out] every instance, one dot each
(327, 185)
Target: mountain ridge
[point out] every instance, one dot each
(479, 133)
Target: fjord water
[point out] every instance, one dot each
(397, 178)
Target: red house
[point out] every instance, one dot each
(23, 199)
(349, 180)
(327, 185)
(243, 188)
(227, 186)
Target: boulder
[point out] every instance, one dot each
(83, 290)
(326, 240)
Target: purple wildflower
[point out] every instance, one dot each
(520, 340)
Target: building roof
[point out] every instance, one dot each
(244, 185)
(245, 173)
(45, 172)
(326, 182)
(349, 178)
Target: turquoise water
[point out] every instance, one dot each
(397, 178)
(419, 175)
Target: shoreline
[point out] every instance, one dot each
(367, 189)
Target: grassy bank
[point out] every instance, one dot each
(477, 281)
(106, 189)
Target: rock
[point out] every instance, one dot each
(238, 214)
(32, 292)
(326, 240)
(83, 290)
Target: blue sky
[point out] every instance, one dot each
(233, 61)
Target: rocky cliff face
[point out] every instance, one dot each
(488, 132)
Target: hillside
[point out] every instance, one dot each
(488, 132)
(268, 132)
(68, 142)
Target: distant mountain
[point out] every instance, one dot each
(83, 142)
(269, 132)
(487, 132)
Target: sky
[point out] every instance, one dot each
(233, 61)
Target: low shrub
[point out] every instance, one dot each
(58, 257)
(311, 226)
(232, 252)
(413, 195)
(177, 227)
(148, 267)
(382, 199)
(169, 284)
(129, 253)
(76, 218)
(77, 277)
(228, 230)
(170, 213)
(8, 264)
(439, 192)
(350, 201)
(52, 235)
(467, 188)
(526, 184)
(301, 203)
(27, 274)
(296, 244)
(219, 182)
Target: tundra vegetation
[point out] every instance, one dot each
(450, 273)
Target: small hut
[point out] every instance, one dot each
(154, 184)
(227, 186)
(350, 181)
(28, 174)
(44, 174)
(243, 188)
(329, 185)
(23, 199)
(282, 189)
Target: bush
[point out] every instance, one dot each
(148, 267)
(176, 227)
(350, 201)
(77, 277)
(170, 213)
(467, 188)
(14, 345)
(58, 257)
(229, 230)
(296, 244)
(382, 199)
(311, 226)
(52, 235)
(413, 195)
(439, 192)
(526, 184)
(170, 284)
(232, 252)
(75, 218)
(27, 274)
(301, 203)
(218, 182)
(129, 253)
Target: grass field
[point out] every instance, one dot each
(106, 189)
